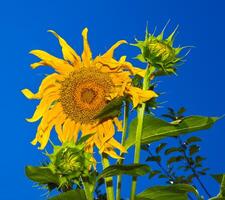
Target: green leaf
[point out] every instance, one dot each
(193, 149)
(70, 195)
(173, 192)
(181, 111)
(218, 177)
(133, 170)
(112, 109)
(153, 173)
(41, 175)
(175, 159)
(83, 139)
(160, 147)
(193, 139)
(199, 159)
(155, 129)
(172, 150)
(221, 179)
(153, 159)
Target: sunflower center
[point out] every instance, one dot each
(88, 95)
(84, 94)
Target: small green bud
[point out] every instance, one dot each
(160, 52)
(69, 162)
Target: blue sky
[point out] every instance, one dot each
(199, 85)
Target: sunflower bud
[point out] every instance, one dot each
(69, 162)
(160, 52)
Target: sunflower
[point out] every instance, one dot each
(78, 90)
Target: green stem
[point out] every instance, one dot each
(88, 194)
(120, 161)
(140, 116)
(222, 187)
(108, 180)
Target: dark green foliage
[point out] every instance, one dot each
(73, 194)
(112, 109)
(171, 192)
(133, 170)
(181, 163)
(155, 129)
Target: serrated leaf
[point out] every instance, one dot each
(175, 159)
(193, 149)
(70, 195)
(199, 159)
(202, 173)
(145, 147)
(160, 147)
(162, 176)
(190, 177)
(221, 179)
(153, 173)
(41, 175)
(133, 170)
(217, 177)
(173, 192)
(153, 159)
(84, 139)
(155, 129)
(181, 111)
(172, 150)
(193, 139)
(112, 109)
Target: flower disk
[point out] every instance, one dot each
(84, 94)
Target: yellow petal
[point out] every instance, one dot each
(27, 93)
(117, 145)
(48, 85)
(42, 107)
(118, 124)
(58, 126)
(76, 131)
(139, 96)
(109, 130)
(111, 153)
(66, 129)
(50, 115)
(86, 55)
(68, 53)
(57, 64)
(110, 52)
(42, 137)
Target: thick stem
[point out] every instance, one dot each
(222, 187)
(120, 161)
(140, 116)
(88, 194)
(108, 180)
(193, 169)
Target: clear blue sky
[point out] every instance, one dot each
(24, 24)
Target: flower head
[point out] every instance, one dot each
(79, 89)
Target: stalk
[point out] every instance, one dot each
(87, 192)
(222, 187)
(108, 180)
(120, 161)
(140, 116)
